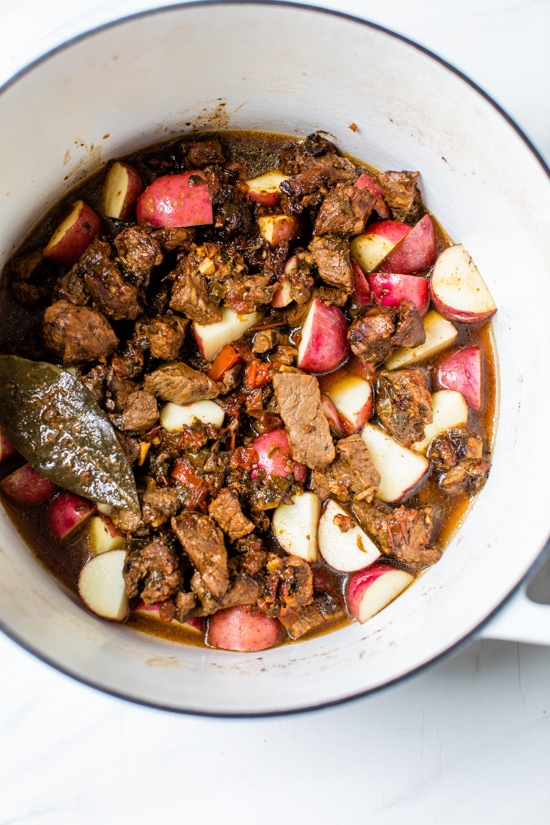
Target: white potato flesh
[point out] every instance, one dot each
(101, 585)
(211, 338)
(458, 287)
(440, 334)
(344, 549)
(175, 417)
(371, 590)
(295, 526)
(368, 250)
(400, 468)
(449, 410)
(103, 535)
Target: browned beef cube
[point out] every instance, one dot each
(404, 404)
(226, 510)
(371, 334)
(159, 504)
(352, 474)
(77, 334)
(173, 237)
(322, 612)
(344, 211)
(181, 384)
(458, 455)
(203, 153)
(140, 412)
(139, 253)
(190, 293)
(164, 335)
(152, 572)
(409, 328)
(245, 293)
(111, 293)
(402, 195)
(331, 254)
(299, 400)
(204, 545)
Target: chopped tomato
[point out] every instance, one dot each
(226, 358)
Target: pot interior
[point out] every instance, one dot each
(177, 70)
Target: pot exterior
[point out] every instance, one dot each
(156, 75)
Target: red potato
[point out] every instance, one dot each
(324, 343)
(176, 200)
(352, 397)
(275, 456)
(101, 585)
(196, 624)
(73, 235)
(457, 289)
(400, 469)
(67, 512)
(295, 526)
(390, 288)
(7, 450)
(175, 417)
(416, 252)
(360, 285)
(276, 229)
(211, 338)
(440, 334)
(461, 371)
(283, 295)
(235, 628)
(366, 181)
(265, 188)
(369, 591)
(103, 535)
(331, 414)
(371, 247)
(449, 410)
(26, 486)
(342, 542)
(121, 189)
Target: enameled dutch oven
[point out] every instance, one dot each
(146, 78)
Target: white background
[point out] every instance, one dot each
(468, 741)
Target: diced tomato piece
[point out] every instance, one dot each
(258, 373)
(226, 358)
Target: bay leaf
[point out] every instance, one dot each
(56, 424)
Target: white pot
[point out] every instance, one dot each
(150, 77)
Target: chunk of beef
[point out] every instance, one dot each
(409, 328)
(299, 277)
(322, 612)
(201, 153)
(288, 587)
(344, 211)
(264, 341)
(140, 412)
(352, 474)
(190, 293)
(95, 381)
(285, 355)
(179, 383)
(404, 534)
(111, 293)
(243, 588)
(158, 504)
(71, 287)
(32, 277)
(458, 455)
(402, 195)
(246, 293)
(299, 400)
(77, 334)
(152, 572)
(338, 297)
(173, 238)
(204, 545)
(139, 253)
(184, 607)
(226, 510)
(332, 258)
(404, 404)
(163, 336)
(371, 334)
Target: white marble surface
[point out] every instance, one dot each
(466, 741)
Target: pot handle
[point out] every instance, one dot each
(526, 615)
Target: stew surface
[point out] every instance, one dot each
(297, 377)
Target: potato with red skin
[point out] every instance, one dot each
(68, 512)
(369, 591)
(176, 201)
(73, 235)
(457, 288)
(235, 628)
(352, 396)
(26, 486)
(390, 288)
(360, 285)
(371, 247)
(365, 181)
(461, 371)
(416, 252)
(275, 456)
(121, 188)
(265, 188)
(324, 344)
(7, 450)
(276, 229)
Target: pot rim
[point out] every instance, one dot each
(545, 549)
